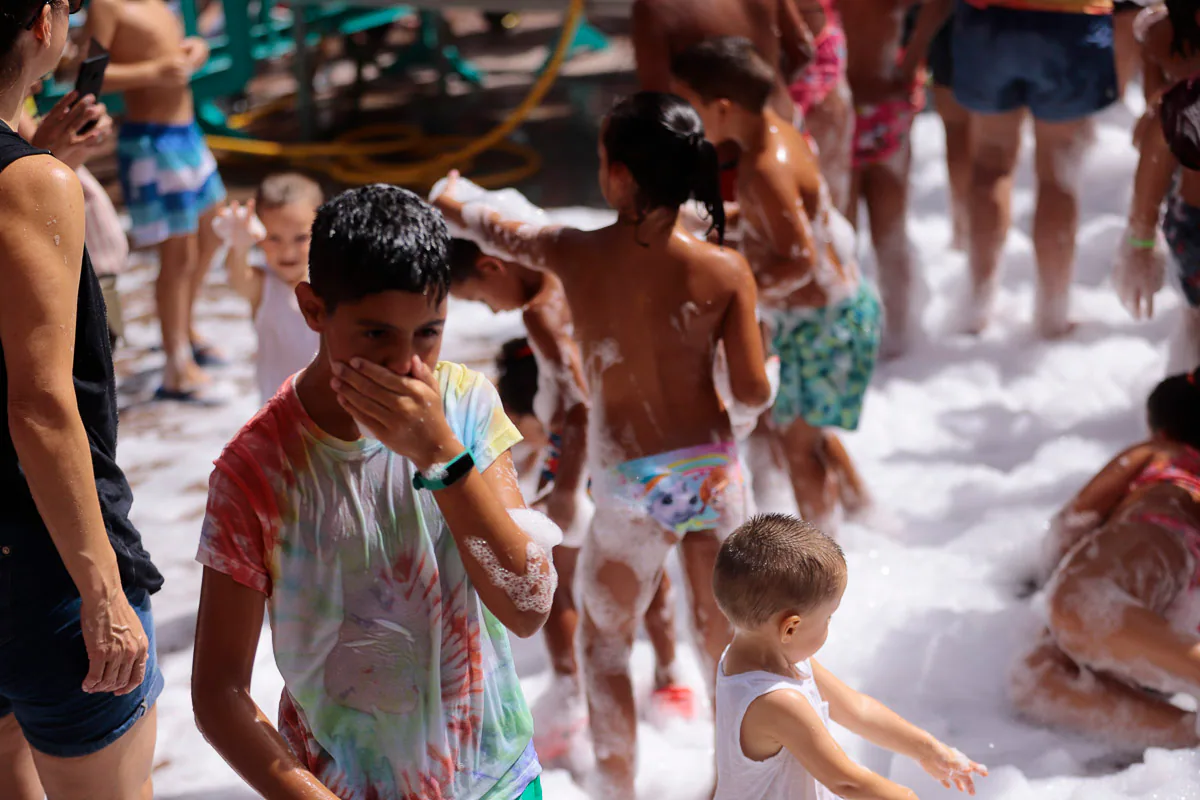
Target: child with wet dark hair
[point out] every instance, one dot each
(1122, 630)
(651, 303)
(372, 508)
(1170, 39)
(779, 580)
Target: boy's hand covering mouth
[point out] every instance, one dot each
(402, 411)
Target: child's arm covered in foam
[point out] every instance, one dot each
(789, 236)
(742, 335)
(878, 724)
(787, 719)
(227, 632)
(558, 349)
(535, 246)
(509, 568)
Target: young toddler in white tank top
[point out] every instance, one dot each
(779, 581)
(279, 223)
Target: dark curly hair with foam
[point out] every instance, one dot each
(377, 239)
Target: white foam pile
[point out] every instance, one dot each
(969, 446)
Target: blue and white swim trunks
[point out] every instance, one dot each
(169, 177)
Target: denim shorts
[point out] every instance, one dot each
(42, 665)
(1060, 66)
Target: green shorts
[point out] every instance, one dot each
(826, 358)
(533, 791)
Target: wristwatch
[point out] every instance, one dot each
(442, 476)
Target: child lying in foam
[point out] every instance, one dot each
(1122, 630)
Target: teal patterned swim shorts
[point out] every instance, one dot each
(826, 359)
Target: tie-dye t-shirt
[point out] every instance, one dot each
(400, 685)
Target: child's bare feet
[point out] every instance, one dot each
(1052, 314)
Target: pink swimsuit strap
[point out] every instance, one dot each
(1182, 470)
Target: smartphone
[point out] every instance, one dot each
(91, 77)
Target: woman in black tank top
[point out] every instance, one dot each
(78, 675)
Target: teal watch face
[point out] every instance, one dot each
(447, 475)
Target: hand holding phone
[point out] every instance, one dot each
(91, 77)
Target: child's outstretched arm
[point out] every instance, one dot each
(558, 348)
(877, 723)
(786, 719)
(534, 246)
(227, 632)
(743, 338)
(512, 572)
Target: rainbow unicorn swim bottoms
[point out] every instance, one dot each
(695, 489)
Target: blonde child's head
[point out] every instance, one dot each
(287, 204)
(779, 577)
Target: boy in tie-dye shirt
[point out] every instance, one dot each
(373, 506)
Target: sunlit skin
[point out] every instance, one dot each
(664, 28)
(780, 192)
(1110, 605)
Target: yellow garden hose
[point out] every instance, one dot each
(352, 157)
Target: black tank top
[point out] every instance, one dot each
(35, 567)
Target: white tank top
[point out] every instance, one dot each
(286, 344)
(780, 777)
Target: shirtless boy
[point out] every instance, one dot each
(651, 302)
(168, 175)
(825, 319)
(664, 28)
(1169, 55)
(886, 99)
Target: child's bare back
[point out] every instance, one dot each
(649, 319)
(874, 29)
(147, 32)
